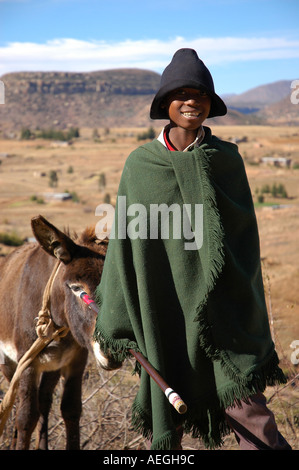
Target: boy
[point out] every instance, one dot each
(195, 309)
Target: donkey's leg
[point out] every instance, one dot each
(71, 404)
(27, 411)
(8, 369)
(48, 383)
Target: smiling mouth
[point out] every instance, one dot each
(191, 114)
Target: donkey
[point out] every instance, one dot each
(23, 277)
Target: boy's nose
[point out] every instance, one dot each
(191, 100)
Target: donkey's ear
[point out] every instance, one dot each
(52, 240)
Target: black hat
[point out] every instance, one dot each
(188, 71)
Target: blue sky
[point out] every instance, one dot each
(245, 43)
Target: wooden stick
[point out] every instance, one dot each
(173, 398)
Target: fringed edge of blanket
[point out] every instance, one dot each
(141, 423)
(117, 349)
(267, 373)
(215, 228)
(208, 425)
(210, 429)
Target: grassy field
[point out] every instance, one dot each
(90, 170)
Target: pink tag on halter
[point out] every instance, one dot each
(87, 299)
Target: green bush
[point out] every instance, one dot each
(52, 134)
(266, 189)
(279, 191)
(38, 200)
(107, 199)
(75, 197)
(102, 181)
(149, 134)
(26, 134)
(10, 239)
(56, 134)
(53, 179)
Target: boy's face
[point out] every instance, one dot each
(188, 107)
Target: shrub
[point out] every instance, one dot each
(26, 134)
(279, 191)
(107, 199)
(102, 181)
(56, 134)
(282, 191)
(75, 197)
(38, 200)
(10, 239)
(266, 189)
(53, 179)
(73, 133)
(149, 134)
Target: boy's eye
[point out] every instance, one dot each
(182, 94)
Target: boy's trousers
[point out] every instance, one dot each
(254, 426)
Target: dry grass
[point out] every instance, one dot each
(108, 396)
(107, 400)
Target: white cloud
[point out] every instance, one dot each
(69, 54)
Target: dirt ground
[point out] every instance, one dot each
(25, 192)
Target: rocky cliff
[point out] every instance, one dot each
(112, 98)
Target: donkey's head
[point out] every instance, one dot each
(82, 260)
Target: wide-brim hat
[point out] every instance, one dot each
(186, 70)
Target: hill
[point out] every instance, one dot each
(257, 98)
(113, 98)
(98, 99)
(281, 113)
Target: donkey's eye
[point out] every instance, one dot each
(75, 287)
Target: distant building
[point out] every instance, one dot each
(57, 196)
(277, 161)
(239, 140)
(61, 143)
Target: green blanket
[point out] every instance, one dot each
(198, 315)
